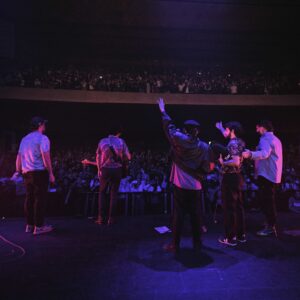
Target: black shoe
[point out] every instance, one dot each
(268, 230)
(240, 239)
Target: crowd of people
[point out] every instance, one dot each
(148, 172)
(212, 80)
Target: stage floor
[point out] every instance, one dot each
(81, 260)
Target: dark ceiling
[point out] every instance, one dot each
(94, 29)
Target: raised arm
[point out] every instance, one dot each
(171, 132)
(219, 125)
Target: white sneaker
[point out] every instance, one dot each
(43, 229)
(29, 228)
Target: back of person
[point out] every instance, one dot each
(274, 161)
(188, 152)
(113, 151)
(31, 148)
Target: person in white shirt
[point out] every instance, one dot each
(34, 163)
(268, 166)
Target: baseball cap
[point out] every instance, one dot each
(191, 123)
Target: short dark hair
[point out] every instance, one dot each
(267, 124)
(236, 126)
(36, 122)
(192, 127)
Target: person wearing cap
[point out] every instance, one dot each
(34, 163)
(231, 184)
(268, 170)
(190, 161)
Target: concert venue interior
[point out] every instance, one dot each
(87, 65)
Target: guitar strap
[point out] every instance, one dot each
(116, 157)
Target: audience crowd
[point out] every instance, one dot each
(213, 80)
(148, 173)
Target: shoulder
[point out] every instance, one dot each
(45, 138)
(102, 141)
(203, 144)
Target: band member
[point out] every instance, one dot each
(231, 184)
(268, 169)
(34, 163)
(191, 159)
(112, 157)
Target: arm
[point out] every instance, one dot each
(48, 165)
(219, 125)
(89, 162)
(126, 153)
(19, 163)
(98, 161)
(45, 151)
(173, 135)
(234, 162)
(264, 153)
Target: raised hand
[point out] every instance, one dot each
(161, 105)
(219, 125)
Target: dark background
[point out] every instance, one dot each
(192, 31)
(77, 124)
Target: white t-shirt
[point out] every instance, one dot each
(31, 148)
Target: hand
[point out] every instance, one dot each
(85, 162)
(51, 178)
(247, 154)
(161, 105)
(219, 125)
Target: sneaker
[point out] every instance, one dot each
(268, 230)
(227, 242)
(43, 229)
(29, 228)
(241, 239)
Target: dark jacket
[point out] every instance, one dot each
(191, 154)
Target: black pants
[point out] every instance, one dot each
(36, 183)
(110, 179)
(187, 202)
(234, 214)
(266, 197)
